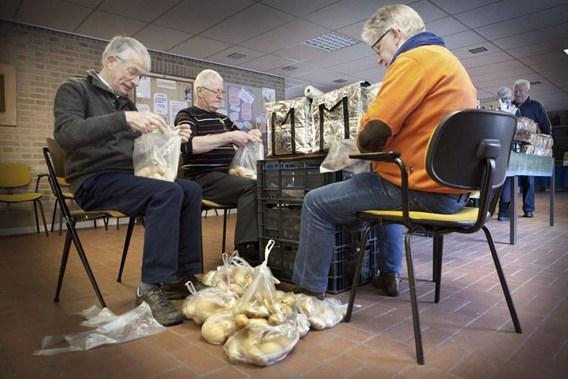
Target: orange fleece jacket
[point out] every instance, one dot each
(419, 89)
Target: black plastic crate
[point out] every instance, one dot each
(342, 267)
(287, 180)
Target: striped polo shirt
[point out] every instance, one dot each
(203, 123)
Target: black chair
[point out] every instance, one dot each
(71, 218)
(469, 151)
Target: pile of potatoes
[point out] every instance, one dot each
(257, 323)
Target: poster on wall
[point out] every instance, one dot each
(240, 107)
(7, 95)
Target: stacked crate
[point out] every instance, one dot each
(282, 185)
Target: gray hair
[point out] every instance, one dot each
(122, 47)
(505, 93)
(204, 78)
(402, 16)
(522, 82)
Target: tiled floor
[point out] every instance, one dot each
(467, 335)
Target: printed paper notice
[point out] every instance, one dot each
(161, 104)
(268, 95)
(166, 84)
(143, 89)
(175, 107)
(246, 95)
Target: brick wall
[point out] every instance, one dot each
(43, 59)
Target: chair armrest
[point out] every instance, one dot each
(378, 156)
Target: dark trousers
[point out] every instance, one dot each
(526, 183)
(228, 189)
(172, 219)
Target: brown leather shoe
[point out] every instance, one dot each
(388, 283)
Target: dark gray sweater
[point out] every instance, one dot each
(90, 125)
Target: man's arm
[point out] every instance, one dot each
(543, 121)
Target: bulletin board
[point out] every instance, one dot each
(245, 105)
(165, 95)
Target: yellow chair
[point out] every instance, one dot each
(468, 151)
(16, 175)
(71, 218)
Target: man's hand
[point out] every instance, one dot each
(184, 132)
(256, 134)
(145, 122)
(242, 138)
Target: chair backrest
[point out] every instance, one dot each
(57, 157)
(465, 142)
(14, 175)
(55, 185)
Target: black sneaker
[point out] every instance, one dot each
(388, 283)
(178, 290)
(162, 309)
(319, 295)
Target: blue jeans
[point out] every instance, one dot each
(338, 203)
(172, 219)
(526, 183)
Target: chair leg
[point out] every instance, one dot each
(36, 219)
(129, 230)
(117, 223)
(53, 216)
(503, 281)
(42, 217)
(357, 273)
(83, 257)
(105, 221)
(438, 257)
(224, 230)
(63, 265)
(414, 301)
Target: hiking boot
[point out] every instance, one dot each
(162, 309)
(318, 295)
(388, 283)
(178, 290)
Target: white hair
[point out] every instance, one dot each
(203, 79)
(122, 47)
(505, 93)
(406, 19)
(522, 82)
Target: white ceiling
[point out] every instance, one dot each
(523, 38)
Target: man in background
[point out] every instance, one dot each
(534, 110)
(209, 152)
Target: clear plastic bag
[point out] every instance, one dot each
(201, 304)
(156, 155)
(262, 345)
(322, 314)
(244, 161)
(111, 329)
(338, 158)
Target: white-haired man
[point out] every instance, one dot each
(423, 82)
(209, 152)
(96, 124)
(534, 110)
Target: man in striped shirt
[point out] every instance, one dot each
(209, 152)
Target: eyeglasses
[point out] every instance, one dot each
(133, 72)
(217, 92)
(374, 46)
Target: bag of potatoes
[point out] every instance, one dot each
(218, 327)
(322, 314)
(156, 155)
(262, 344)
(201, 304)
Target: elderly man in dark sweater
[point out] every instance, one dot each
(96, 124)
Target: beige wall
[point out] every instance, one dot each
(44, 59)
